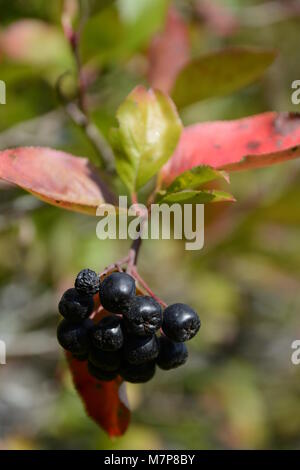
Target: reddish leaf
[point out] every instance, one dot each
(251, 142)
(105, 402)
(169, 52)
(55, 177)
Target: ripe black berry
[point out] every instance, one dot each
(116, 292)
(138, 374)
(87, 282)
(73, 337)
(75, 307)
(100, 374)
(124, 344)
(107, 334)
(144, 316)
(105, 360)
(139, 350)
(180, 322)
(171, 354)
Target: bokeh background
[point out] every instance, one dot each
(239, 388)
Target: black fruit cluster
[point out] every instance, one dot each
(125, 342)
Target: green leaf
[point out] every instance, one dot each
(148, 133)
(195, 177)
(131, 10)
(219, 74)
(143, 18)
(98, 5)
(196, 197)
(121, 29)
(106, 29)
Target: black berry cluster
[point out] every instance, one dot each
(125, 342)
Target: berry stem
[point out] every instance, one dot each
(134, 198)
(131, 261)
(93, 133)
(141, 281)
(133, 255)
(136, 244)
(96, 312)
(117, 265)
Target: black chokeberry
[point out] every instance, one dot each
(144, 316)
(138, 373)
(124, 344)
(105, 375)
(75, 307)
(87, 282)
(139, 350)
(116, 292)
(107, 334)
(105, 360)
(171, 354)
(73, 336)
(180, 322)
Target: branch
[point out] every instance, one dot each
(79, 113)
(136, 245)
(117, 265)
(133, 254)
(93, 134)
(131, 261)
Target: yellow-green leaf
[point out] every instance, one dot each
(148, 133)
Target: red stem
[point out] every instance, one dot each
(117, 265)
(141, 281)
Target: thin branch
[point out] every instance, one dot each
(133, 254)
(131, 261)
(93, 134)
(136, 244)
(74, 40)
(79, 113)
(134, 198)
(117, 265)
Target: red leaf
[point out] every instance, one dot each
(169, 52)
(104, 401)
(55, 177)
(251, 142)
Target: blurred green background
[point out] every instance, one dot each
(239, 388)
